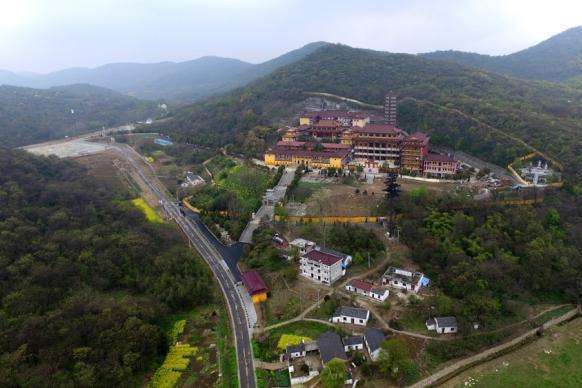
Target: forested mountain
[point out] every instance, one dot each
(453, 103)
(556, 59)
(30, 116)
(85, 280)
(182, 81)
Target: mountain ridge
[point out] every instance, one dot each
(556, 59)
(177, 81)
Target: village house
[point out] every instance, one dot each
(404, 279)
(321, 267)
(351, 315)
(361, 287)
(303, 245)
(346, 259)
(295, 351)
(442, 325)
(373, 339)
(255, 286)
(354, 342)
(330, 347)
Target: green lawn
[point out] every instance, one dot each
(552, 361)
(304, 190)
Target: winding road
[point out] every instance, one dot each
(144, 176)
(197, 239)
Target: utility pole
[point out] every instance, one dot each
(368, 259)
(318, 297)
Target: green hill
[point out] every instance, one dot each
(30, 116)
(467, 109)
(86, 280)
(556, 59)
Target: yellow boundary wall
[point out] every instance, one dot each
(330, 219)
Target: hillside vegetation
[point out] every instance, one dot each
(30, 116)
(556, 59)
(85, 279)
(450, 102)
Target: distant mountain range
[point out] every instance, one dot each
(557, 59)
(30, 116)
(183, 81)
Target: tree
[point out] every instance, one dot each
(334, 374)
(394, 360)
(392, 191)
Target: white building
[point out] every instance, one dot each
(321, 267)
(303, 245)
(355, 342)
(361, 287)
(443, 325)
(351, 315)
(404, 280)
(192, 180)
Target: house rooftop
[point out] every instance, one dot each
(301, 242)
(353, 340)
(365, 286)
(353, 312)
(379, 128)
(330, 347)
(403, 275)
(374, 339)
(322, 257)
(439, 158)
(446, 321)
(332, 252)
(253, 282)
(295, 348)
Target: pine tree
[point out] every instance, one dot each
(392, 191)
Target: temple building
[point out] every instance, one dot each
(338, 138)
(310, 154)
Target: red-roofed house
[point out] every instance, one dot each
(255, 286)
(321, 267)
(367, 289)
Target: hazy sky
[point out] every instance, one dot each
(46, 35)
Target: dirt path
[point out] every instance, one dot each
(465, 363)
(338, 288)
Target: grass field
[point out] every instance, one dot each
(150, 213)
(552, 361)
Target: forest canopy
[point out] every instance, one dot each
(85, 279)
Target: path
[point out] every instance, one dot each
(268, 209)
(465, 363)
(339, 286)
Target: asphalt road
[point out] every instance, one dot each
(197, 238)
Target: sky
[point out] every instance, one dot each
(48, 35)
